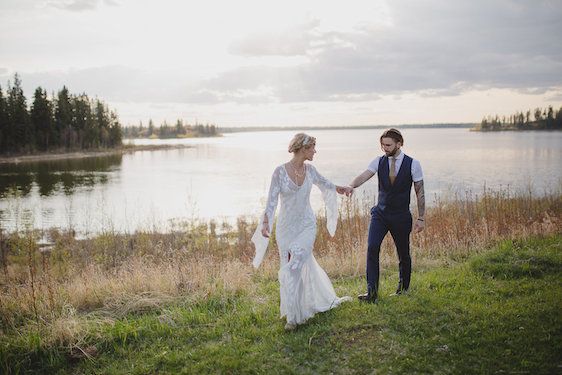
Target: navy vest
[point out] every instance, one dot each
(395, 198)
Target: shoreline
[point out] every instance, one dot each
(125, 149)
(467, 125)
(512, 130)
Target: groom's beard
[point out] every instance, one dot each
(393, 152)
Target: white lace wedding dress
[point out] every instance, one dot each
(304, 286)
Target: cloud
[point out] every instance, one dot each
(80, 5)
(291, 42)
(306, 39)
(556, 96)
(428, 47)
(431, 48)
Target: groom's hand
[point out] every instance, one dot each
(348, 191)
(419, 226)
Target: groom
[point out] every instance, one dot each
(396, 172)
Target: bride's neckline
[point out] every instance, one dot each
(289, 176)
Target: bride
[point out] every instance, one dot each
(304, 286)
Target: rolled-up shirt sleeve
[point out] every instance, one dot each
(374, 165)
(417, 173)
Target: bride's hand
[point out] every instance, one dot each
(265, 230)
(341, 189)
(347, 190)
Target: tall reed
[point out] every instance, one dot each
(77, 282)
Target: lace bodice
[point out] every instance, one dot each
(295, 213)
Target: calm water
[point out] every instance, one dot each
(223, 178)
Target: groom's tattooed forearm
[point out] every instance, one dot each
(420, 194)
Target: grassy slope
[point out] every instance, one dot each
(499, 312)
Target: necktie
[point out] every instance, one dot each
(392, 170)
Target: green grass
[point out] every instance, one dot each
(499, 312)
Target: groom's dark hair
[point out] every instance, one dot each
(394, 134)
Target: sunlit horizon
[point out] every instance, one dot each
(311, 63)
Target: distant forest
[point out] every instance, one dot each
(542, 119)
(179, 130)
(466, 125)
(63, 122)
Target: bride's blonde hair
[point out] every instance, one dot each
(301, 140)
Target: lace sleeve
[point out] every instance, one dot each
(273, 197)
(261, 242)
(328, 190)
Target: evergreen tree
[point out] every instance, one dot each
(538, 114)
(92, 136)
(3, 122)
(163, 133)
(72, 122)
(484, 125)
(42, 119)
(102, 123)
(63, 118)
(83, 123)
(550, 118)
(19, 119)
(115, 132)
(179, 127)
(150, 127)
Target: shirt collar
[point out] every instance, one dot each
(399, 157)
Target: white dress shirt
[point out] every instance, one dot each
(417, 174)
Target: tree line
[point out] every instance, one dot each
(539, 119)
(179, 130)
(62, 122)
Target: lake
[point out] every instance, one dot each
(227, 177)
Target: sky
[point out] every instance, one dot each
(291, 62)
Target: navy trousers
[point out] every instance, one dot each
(400, 226)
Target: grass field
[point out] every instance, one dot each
(485, 298)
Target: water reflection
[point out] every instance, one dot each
(56, 176)
(224, 178)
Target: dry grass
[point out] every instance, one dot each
(79, 283)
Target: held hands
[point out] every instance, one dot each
(347, 190)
